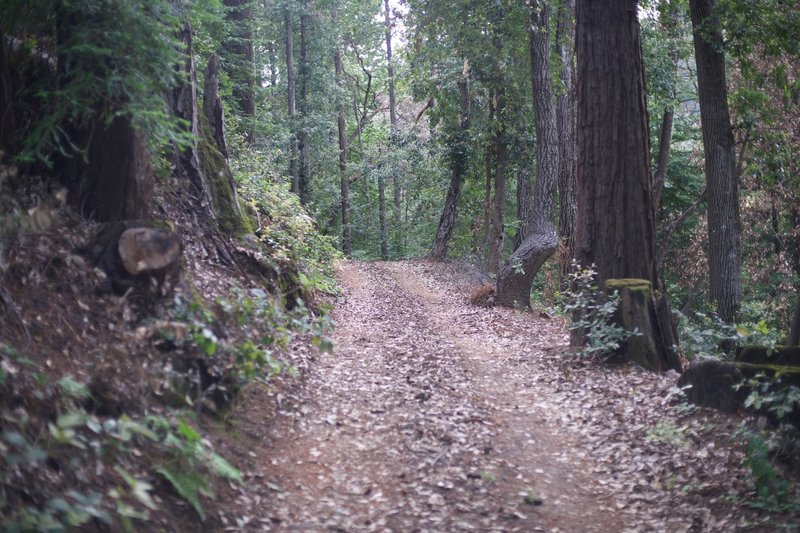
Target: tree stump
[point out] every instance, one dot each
(711, 384)
(137, 255)
(643, 309)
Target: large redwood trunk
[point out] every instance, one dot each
(720, 160)
(615, 227)
(116, 181)
(565, 120)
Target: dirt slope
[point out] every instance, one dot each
(433, 415)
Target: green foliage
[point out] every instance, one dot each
(283, 226)
(80, 443)
(592, 313)
(667, 432)
(704, 334)
(189, 459)
(128, 44)
(772, 490)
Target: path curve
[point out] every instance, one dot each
(433, 415)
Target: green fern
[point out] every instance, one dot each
(188, 484)
(220, 466)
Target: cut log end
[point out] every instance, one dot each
(148, 249)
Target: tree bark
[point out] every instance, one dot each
(396, 185)
(720, 160)
(565, 120)
(664, 144)
(116, 182)
(538, 234)
(382, 216)
(615, 228)
(458, 167)
(500, 148)
(345, 181)
(794, 332)
(294, 168)
(7, 90)
(212, 104)
(305, 168)
(524, 200)
(242, 66)
(201, 163)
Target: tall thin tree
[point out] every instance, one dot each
(347, 244)
(720, 160)
(458, 167)
(291, 98)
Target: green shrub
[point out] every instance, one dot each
(592, 312)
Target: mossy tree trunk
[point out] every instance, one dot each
(201, 163)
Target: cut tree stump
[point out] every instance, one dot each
(139, 255)
(647, 311)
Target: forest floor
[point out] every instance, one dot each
(435, 415)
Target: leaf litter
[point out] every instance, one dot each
(433, 415)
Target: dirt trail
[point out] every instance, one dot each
(433, 415)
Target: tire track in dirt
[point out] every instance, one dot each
(408, 428)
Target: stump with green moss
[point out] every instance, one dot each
(647, 311)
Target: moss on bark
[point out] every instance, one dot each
(222, 187)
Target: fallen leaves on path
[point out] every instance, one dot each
(433, 415)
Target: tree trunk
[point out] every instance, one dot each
(487, 197)
(294, 169)
(345, 181)
(664, 144)
(382, 216)
(242, 65)
(458, 167)
(794, 332)
(671, 26)
(524, 201)
(720, 160)
(7, 113)
(202, 164)
(565, 120)
(396, 185)
(116, 181)
(539, 239)
(212, 104)
(183, 103)
(615, 227)
(500, 147)
(305, 169)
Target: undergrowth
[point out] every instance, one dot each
(89, 468)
